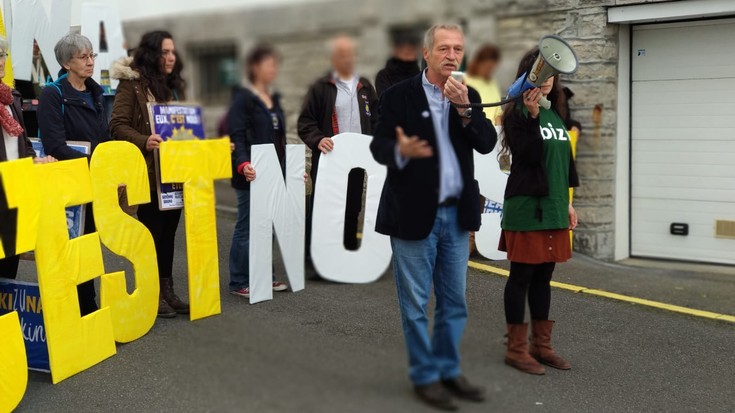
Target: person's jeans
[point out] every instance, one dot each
(240, 247)
(440, 258)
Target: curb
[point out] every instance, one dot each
(614, 296)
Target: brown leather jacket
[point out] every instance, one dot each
(130, 119)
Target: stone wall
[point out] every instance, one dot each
(300, 32)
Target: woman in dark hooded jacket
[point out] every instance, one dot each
(72, 109)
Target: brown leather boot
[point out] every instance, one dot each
(517, 355)
(165, 310)
(541, 348)
(168, 294)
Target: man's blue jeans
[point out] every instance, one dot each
(440, 258)
(240, 247)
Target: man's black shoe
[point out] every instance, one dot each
(436, 395)
(462, 388)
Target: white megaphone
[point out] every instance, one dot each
(555, 56)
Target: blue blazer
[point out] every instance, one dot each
(410, 197)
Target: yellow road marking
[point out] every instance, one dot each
(615, 296)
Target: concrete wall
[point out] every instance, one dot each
(300, 32)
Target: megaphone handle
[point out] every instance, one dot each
(544, 103)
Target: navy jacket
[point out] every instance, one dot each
(64, 117)
(410, 197)
(250, 123)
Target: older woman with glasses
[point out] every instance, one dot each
(16, 144)
(72, 109)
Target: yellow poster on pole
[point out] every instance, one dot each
(573, 137)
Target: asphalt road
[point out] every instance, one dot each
(339, 348)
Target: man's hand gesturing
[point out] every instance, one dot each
(412, 147)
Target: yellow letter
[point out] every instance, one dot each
(117, 163)
(20, 187)
(13, 364)
(197, 163)
(20, 184)
(74, 343)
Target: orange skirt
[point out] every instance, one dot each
(536, 247)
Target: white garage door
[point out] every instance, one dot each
(683, 140)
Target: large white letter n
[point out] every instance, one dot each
(279, 204)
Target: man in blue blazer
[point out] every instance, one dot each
(430, 203)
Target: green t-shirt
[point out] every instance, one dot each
(521, 213)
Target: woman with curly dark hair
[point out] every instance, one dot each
(537, 217)
(153, 74)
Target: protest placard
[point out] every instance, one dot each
(25, 298)
(179, 121)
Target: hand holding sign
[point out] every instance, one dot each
(326, 145)
(153, 142)
(43, 159)
(249, 172)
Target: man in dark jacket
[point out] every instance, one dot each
(402, 65)
(337, 103)
(429, 204)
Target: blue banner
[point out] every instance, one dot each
(25, 298)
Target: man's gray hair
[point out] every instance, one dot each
(70, 45)
(430, 34)
(4, 44)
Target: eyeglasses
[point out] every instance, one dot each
(86, 57)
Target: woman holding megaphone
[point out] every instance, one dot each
(537, 217)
